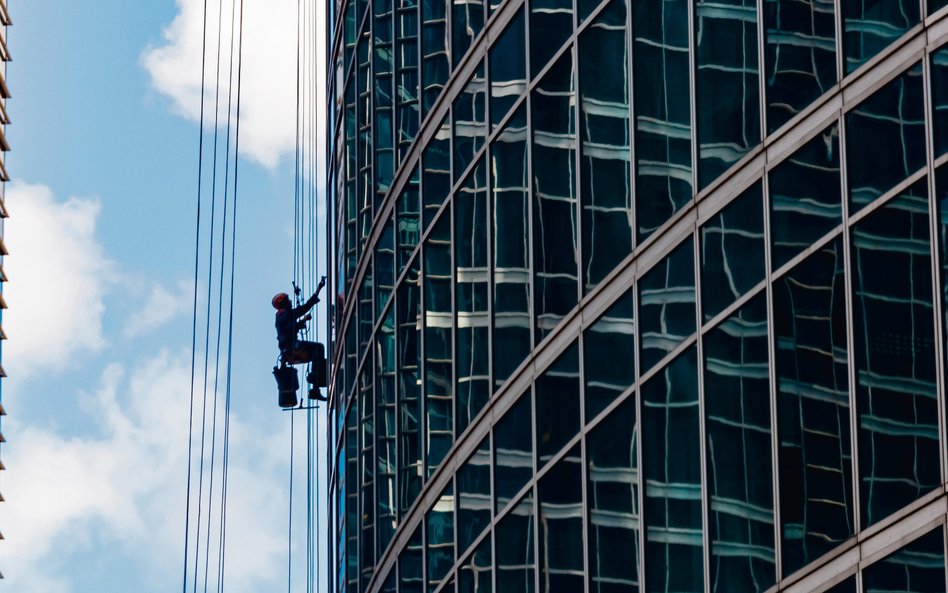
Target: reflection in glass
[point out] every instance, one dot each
(918, 567)
(941, 204)
(513, 451)
(893, 321)
(439, 321)
(939, 83)
(560, 492)
(551, 23)
(474, 508)
(470, 121)
(816, 505)
(869, 27)
(366, 312)
(605, 189)
(406, 74)
(471, 292)
(474, 575)
(439, 528)
(667, 305)
(385, 460)
(737, 425)
(508, 69)
(892, 117)
(555, 252)
(515, 561)
(727, 86)
(384, 267)
(436, 172)
(467, 20)
(672, 467)
(510, 211)
(557, 404)
(612, 491)
(364, 144)
(408, 223)
(732, 252)
(434, 52)
(609, 356)
(409, 390)
(805, 196)
(662, 112)
(847, 586)
(800, 56)
(367, 465)
(410, 578)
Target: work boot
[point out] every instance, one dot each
(315, 394)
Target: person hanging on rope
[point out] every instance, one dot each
(289, 322)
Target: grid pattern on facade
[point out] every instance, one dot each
(766, 388)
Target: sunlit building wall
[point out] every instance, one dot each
(638, 295)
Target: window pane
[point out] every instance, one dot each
(555, 251)
(894, 329)
(474, 508)
(466, 22)
(439, 320)
(474, 576)
(367, 465)
(557, 405)
(513, 451)
(434, 51)
(869, 27)
(916, 568)
(383, 96)
(609, 356)
(436, 172)
(672, 468)
(385, 460)
(740, 472)
(816, 504)
(728, 92)
(508, 69)
(800, 56)
(667, 305)
(732, 252)
(551, 23)
(939, 82)
(353, 514)
(470, 260)
(408, 222)
(612, 490)
(406, 73)
(511, 253)
(439, 525)
(893, 117)
(409, 390)
(662, 112)
(605, 190)
(805, 196)
(561, 525)
(384, 266)
(516, 564)
(470, 121)
(410, 579)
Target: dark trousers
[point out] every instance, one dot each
(303, 352)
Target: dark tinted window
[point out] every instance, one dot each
(409, 392)
(609, 356)
(513, 451)
(560, 492)
(439, 412)
(557, 404)
(869, 27)
(474, 576)
(470, 121)
(436, 172)
(918, 567)
(474, 508)
(508, 69)
(515, 560)
(440, 537)
(667, 305)
(467, 20)
(551, 23)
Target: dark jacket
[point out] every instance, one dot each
(288, 324)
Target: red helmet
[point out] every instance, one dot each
(279, 300)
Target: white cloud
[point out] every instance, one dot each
(125, 487)
(59, 275)
(160, 307)
(268, 95)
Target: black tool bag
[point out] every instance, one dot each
(288, 383)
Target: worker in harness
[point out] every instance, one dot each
(289, 322)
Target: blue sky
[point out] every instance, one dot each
(104, 164)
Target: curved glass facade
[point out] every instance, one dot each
(638, 295)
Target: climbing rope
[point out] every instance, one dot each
(204, 511)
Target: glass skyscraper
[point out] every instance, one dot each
(638, 295)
